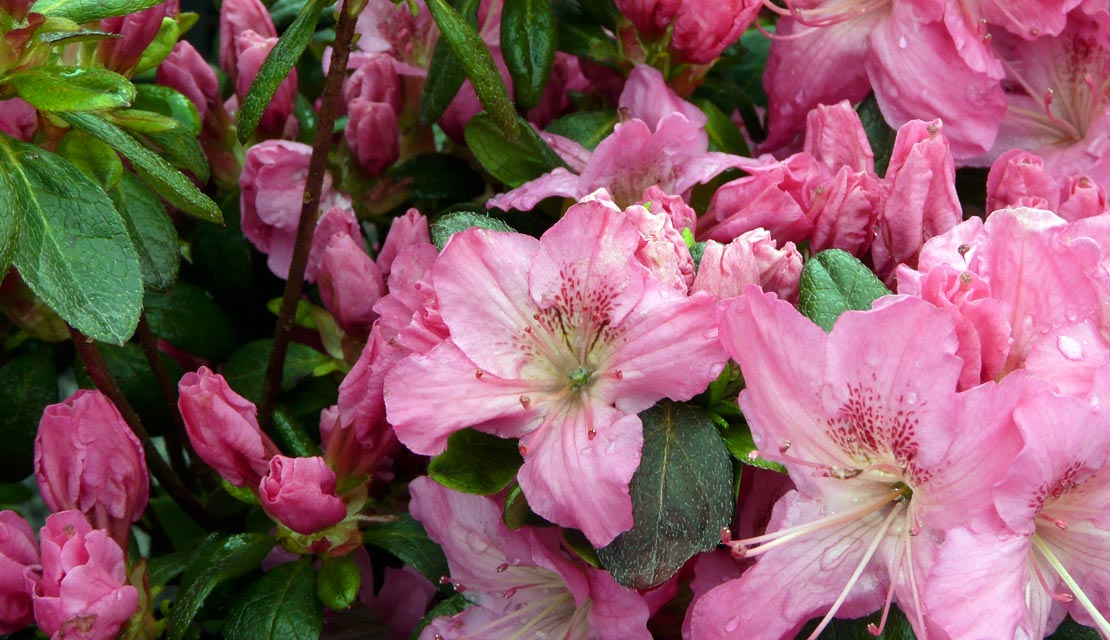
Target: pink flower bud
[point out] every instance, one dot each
(703, 28)
(223, 427)
(19, 119)
(237, 16)
(835, 136)
(1018, 178)
(1083, 198)
(84, 592)
(185, 70)
(844, 211)
(350, 283)
(375, 80)
(662, 248)
(251, 50)
(404, 231)
(87, 458)
(138, 31)
(372, 135)
(752, 258)
(300, 494)
(335, 220)
(272, 192)
(650, 17)
(18, 552)
(921, 196)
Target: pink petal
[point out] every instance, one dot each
(559, 182)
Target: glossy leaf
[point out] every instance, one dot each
(55, 88)
(528, 45)
(338, 582)
(476, 462)
(833, 282)
(282, 605)
(587, 128)
(187, 317)
(151, 231)
(512, 162)
(246, 368)
(406, 538)
(88, 10)
(445, 72)
(27, 384)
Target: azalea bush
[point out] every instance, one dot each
(577, 319)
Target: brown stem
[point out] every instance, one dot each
(344, 31)
(177, 438)
(106, 383)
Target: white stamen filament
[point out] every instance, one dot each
(1046, 553)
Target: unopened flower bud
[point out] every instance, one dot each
(350, 284)
(300, 493)
(251, 50)
(137, 30)
(237, 16)
(372, 135)
(19, 553)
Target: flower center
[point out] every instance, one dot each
(579, 378)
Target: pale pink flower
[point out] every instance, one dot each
(923, 60)
(87, 458)
(559, 342)
(885, 455)
(521, 583)
(84, 592)
(1058, 100)
(1054, 501)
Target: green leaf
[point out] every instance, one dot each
(451, 606)
(439, 176)
(282, 605)
(407, 539)
(88, 10)
(587, 128)
(833, 282)
(179, 145)
(476, 462)
(73, 88)
(897, 628)
(581, 35)
(9, 222)
(738, 439)
(681, 497)
(246, 368)
(445, 72)
(451, 223)
(73, 250)
(479, 66)
(160, 47)
(15, 493)
(166, 567)
(724, 135)
(879, 133)
(95, 159)
(187, 317)
(516, 512)
(338, 582)
(1069, 629)
(151, 231)
(27, 385)
(291, 436)
(216, 561)
(513, 162)
(277, 65)
(528, 45)
(167, 181)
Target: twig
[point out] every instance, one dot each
(177, 437)
(344, 32)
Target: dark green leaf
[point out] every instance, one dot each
(338, 582)
(897, 628)
(166, 567)
(479, 66)
(132, 372)
(581, 35)
(187, 317)
(513, 162)
(167, 181)
(282, 605)
(476, 462)
(516, 512)
(290, 435)
(1071, 630)
(439, 176)
(681, 497)
(184, 533)
(151, 231)
(528, 45)
(9, 223)
(73, 250)
(95, 159)
(246, 367)
(587, 128)
(445, 72)
(216, 561)
(406, 539)
(222, 258)
(577, 542)
(449, 607)
(27, 384)
(833, 282)
(879, 133)
(451, 223)
(15, 493)
(88, 10)
(724, 135)
(280, 61)
(73, 88)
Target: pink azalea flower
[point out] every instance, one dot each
(885, 455)
(923, 60)
(559, 342)
(1019, 178)
(19, 555)
(300, 494)
(671, 153)
(1057, 99)
(521, 583)
(1054, 499)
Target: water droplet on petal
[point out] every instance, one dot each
(476, 542)
(1069, 347)
(902, 42)
(911, 398)
(732, 625)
